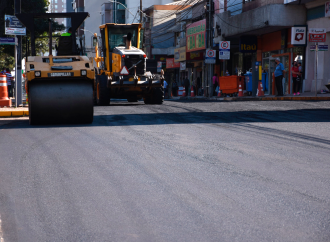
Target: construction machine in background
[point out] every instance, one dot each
(124, 72)
(60, 88)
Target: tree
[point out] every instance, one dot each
(41, 27)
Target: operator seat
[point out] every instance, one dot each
(64, 46)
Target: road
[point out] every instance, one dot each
(182, 171)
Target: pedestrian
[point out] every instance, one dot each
(165, 89)
(186, 85)
(175, 88)
(300, 77)
(215, 82)
(295, 74)
(279, 73)
(195, 87)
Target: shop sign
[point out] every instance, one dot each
(210, 56)
(327, 9)
(13, 26)
(180, 54)
(298, 35)
(171, 64)
(248, 44)
(224, 50)
(7, 41)
(317, 35)
(182, 66)
(195, 55)
(196, 36)
(312, 48)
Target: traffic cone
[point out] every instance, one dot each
(260, 91)
(192, 93)
(240, 90)
(4, 100)
(184, 92)
(219, 92)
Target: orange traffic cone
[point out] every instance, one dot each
(192, 93)
(240, 90)
(184, 92)
(260, 91)
(4, 100)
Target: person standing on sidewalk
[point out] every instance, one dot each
(295, 75)
(186, 83)
(215, 83)
(279, 73)
(165, 89)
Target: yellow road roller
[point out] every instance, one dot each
(59, 87)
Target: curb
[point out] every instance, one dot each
(260, 98)
(13, 113)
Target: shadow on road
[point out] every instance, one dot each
(302, 115)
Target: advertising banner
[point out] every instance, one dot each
(180, 54)
(13, 26)
(196, 36)
(195, 55)
(298, 35)
(182, 66)
(171, 64)
(317, 35)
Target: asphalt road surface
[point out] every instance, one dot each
(181, 171)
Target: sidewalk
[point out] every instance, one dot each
(307, 96)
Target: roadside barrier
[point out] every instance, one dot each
(240, 90)
(180, 91)
(4, 100)
(229, 84)
(260, 91)
(192, 93)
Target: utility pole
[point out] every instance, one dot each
(18, 64)
(141, 15)
(210, 84)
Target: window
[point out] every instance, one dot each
(55, 6)
(55, 1)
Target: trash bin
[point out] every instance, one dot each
(248, 83)
(229, 85)
(265, 81)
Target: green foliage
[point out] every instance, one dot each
(41, 28)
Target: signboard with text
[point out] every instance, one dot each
(171, 64)
(317, 35)
(248, 44)
(327, 9)
(210, 56)
(195, 36)
(7, 41)
(182, 66)
(13, 26)
(298, 35)
(224, 50)
(180, 54)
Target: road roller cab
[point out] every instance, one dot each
(60, 88)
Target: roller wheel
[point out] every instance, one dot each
(132, 100)
(61, 101)
(102, 91)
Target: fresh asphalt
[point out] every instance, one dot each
(182, 171)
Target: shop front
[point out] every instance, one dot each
(180, 58)
(172, 70)
(281, 45)
(195, 54)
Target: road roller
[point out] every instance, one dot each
(60, 86)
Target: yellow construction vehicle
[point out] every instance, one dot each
(122, 70)
(60, 88)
